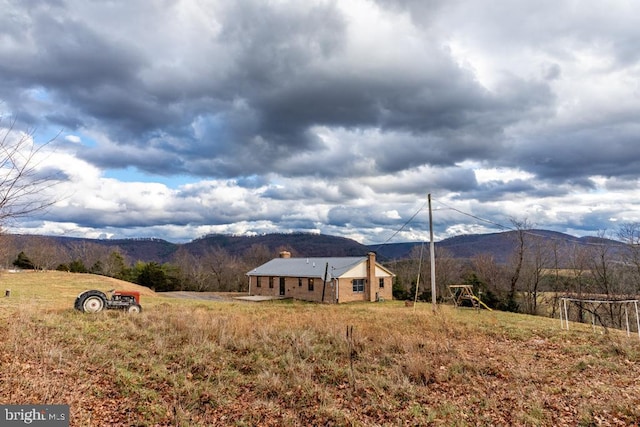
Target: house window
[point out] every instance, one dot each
(382, 282)
(299, 281)
(271, 282)
(310, 283)
(358, 285)
(258, 282)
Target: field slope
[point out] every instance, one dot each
(194, 362)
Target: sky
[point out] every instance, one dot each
(177, 119)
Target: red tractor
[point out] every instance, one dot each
(95, 301)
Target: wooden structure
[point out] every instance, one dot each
(461, 293)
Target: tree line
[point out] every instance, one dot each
(213, 269)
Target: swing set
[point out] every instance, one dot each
(461, 293)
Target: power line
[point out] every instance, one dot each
(475, 217)
(403, 226)
(487, 221)
(528, 232)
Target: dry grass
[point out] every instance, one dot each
(189, 363)
(56, 288)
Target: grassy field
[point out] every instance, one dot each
(190, 362)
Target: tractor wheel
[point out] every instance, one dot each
(134, 308)
(92, 301)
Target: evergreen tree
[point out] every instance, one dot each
(153, 276)
(23, 262)
(77, 266)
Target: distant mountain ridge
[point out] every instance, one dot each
(299, 244)
(499, 245)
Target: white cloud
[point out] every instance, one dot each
(484, 175)
(73, 138)
(336, 117)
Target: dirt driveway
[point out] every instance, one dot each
(210, 296)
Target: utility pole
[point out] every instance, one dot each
(432, 252)
(324, 284)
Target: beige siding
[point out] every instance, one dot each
(358, 271)
(346, 293)
(299, 289)
(386, 293)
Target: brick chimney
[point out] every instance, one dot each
(372, 285)
(285, 254)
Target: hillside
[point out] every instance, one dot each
(299, 244)
(499, 245)
(204, 363)
(146, 250)
(58, 289)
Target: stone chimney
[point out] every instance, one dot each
(285, 254)
(371, 285)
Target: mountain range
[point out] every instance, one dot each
(499, 245)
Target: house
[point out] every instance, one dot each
(330, 279)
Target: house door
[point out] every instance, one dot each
(282, 286)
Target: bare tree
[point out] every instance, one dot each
(629, 234)
(223, 267)
(256, 255)
(489, 272)
(607, 277)
(539, 258)
(91, 254)
(559, 280)
(579, 259)
(448, 271)
(45, 253)
(521, 229)
(194, 275)
(8, 250)
(22, 184)
(115, 265)
(406, 273)
(602, 268)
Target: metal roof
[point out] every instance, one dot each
(307, 267)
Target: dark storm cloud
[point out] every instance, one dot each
(499, 190)
(266, 47)
(150, 159)
(438, 120)
(434, 95)
(284, 74)
(416, 181)
(596, 221)
(99, 218)
(608, 150)
(63, 57)
(312, 193)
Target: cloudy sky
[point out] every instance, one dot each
(176, 119)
